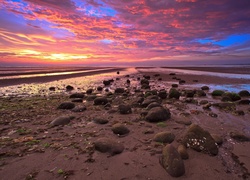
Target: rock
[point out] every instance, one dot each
(172, 74)
(182, 81)
(175, 85)
(119, 90)
(110, 146)
(231, 96)
(239, 136)
(200, 93)
(63, 120)
(146, 102)
(156, 75)
(200, 140)
(127, 76)
(66, 105)
(144, 81)
(159, 79)
(79, 109)
(100, 121)
(157, 114)
(152, 105)
(77, 95)
(189, 93)
(146, 77)
(217, 93)
(164, 137)
(173, 93)
(145, 86)
(202, 102)
(100, 101)
(118, 72)
(99, 88)
(69, 88)
(162, 94)
(244, 102)
(205, 88)
(207, 106)
(52, 88)
(172, 162)
(182, 150)
(120, 129)
(124, 109)
(244, 93)
(89, 91)
(128, 81)
(217, 139)
(225, 106)
(106, 82)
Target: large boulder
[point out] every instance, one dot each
(172, 162)
(158, 114)
(110, 146)
(200, 140)
(244, 93)
(164, 137)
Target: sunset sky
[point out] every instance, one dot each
(124, 32)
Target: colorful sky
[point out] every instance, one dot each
(124, 32)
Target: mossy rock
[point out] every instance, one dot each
(217, 93)
(174, 93)
(231, 96)
(244, 93)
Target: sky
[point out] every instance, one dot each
(124, 32)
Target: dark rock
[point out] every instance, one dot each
(157, 114)
(182, 150)
(69, 88)
(226, 99)
(145, 86)
(146, 102)
(100, 121)
(172, 74)
(200, 93)
(106, 82)
(110, 146)
(152, 105)
(182, 81)
(189, 93)
(144, 81)
(202, 102)
(162, 94)
(89, 91)
(77, 95)
(117, 79)
(173, 93)
(120, 129)
(164, 137)
(232, 96)
(156, 75)
(239, 136)
(244, 102)
(200, 140)
(66, 105)
(79, 109)
(119, 90)
(127, 76)
(228, 106)
(138, 78)
(99, 88)
(207, 106)
(175, 85)
(204, 88)
(128, 81)
(146, 77)
(124, 109)
(118, 72)
(52, 88)
(244, 93)
(172, 162)
(100, 101)
(217, 93)
(63, 120)
(159, 79)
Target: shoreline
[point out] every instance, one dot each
(44, 79)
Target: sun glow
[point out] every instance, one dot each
(64, 56)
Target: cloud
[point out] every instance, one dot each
(138, 30)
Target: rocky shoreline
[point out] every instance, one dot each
(141, 129)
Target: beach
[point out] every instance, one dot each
(118, 123)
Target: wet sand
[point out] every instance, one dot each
(68, 151)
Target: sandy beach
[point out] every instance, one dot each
(134, 127)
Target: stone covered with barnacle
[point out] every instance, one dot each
(200, 140)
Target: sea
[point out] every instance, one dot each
(31, 81)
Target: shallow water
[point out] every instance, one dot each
(79, 83)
